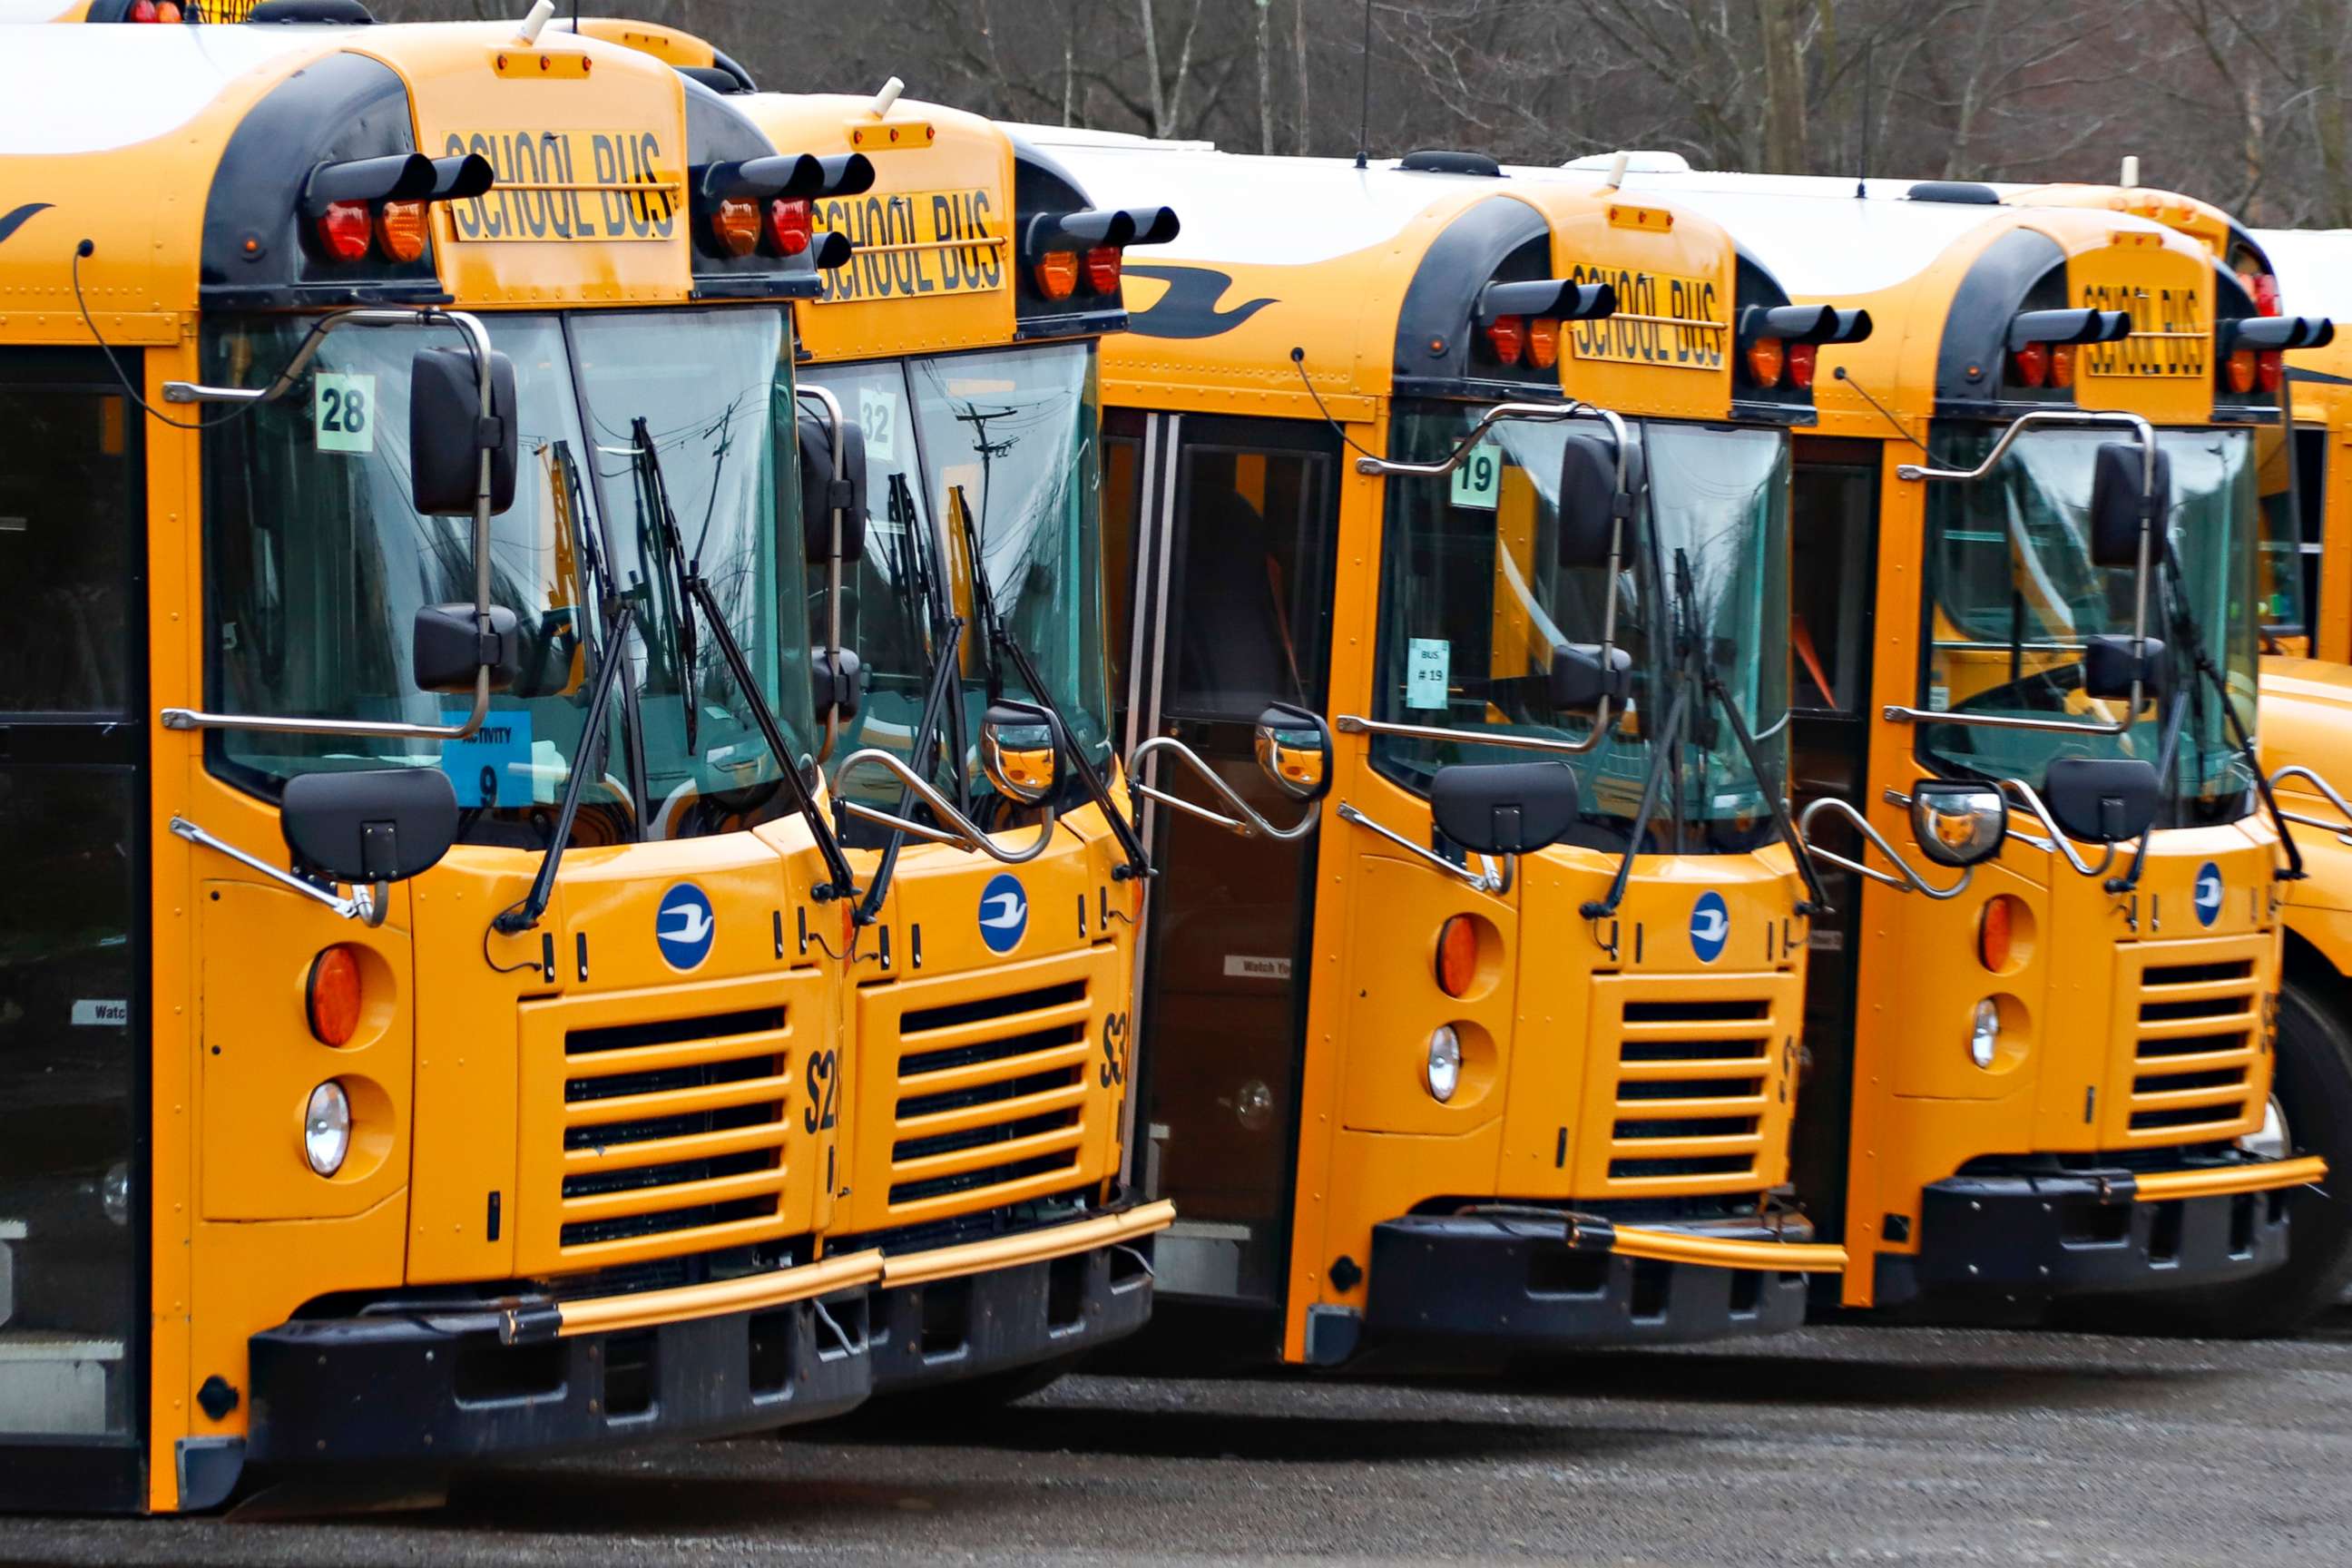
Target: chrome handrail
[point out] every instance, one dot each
(1351, 724)
(1910, 882)
(1246, 820)
(961, 831)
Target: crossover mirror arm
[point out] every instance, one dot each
(2053, 836)
(2296, 771)
(1905, 879)
(1496, 881)
(369, 906)
(960, 830)
(1246, 820)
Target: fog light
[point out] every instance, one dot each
(327, 1128)
(1984, 1034)
(1445, 1073)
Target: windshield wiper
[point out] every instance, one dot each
(2189, 657)
(595, 730)
(695, 592)
(1002, 642)
(1691, 658)
(671, 548)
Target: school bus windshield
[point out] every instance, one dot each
(316, 565)
(1472, 600)
(2014, 594)
(993, 452)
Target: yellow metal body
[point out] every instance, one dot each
(2095, 983)
(1551, 1095)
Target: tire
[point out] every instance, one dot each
(2312, 1089)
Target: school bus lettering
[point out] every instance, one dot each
(604, 186)
(1661, 320)
(2169, 333)
(914, 242)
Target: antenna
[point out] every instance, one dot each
(540, 12)
(2131, 169)
(1862, 179)
(888, 97)
(1364, 117)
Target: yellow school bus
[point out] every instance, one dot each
(1447, 514)
(987, 1043)
(2045, 1073)
(403, 505)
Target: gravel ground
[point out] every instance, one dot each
(1845, 1443)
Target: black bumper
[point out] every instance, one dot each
(946, 1330)
(2046, 1234)
(1514, 1281)
(402, 1391)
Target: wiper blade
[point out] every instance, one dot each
(672, 548)
(695, 592)
(595, 736)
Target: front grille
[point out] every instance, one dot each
(991, 1097)
(674, 1129)
(2195, 1050)
(1696, 1079)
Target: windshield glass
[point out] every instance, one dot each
(991, 453)
(710, 392)
(1472, 600)
(2013, 595)
(315, 565)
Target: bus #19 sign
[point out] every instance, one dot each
(594, 186)
(1661, 320)
(912, 243)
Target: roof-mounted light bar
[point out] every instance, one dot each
(364, 204)
(1778, 340)
(1061, 248)
(741, 204)
(2261, 333)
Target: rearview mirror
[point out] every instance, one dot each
(449, 429)
(1504, 808)
(2116, 508)
(1020, 751)
(822, 494)
(1956, 822)
(1294, 750)
(2101, 800)
(447, 648)
(1580, 679)
(385, 825)
(1588, 498)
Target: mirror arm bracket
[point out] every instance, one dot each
(1495, 882)
(1907, 881)
(960, 830)
(2055, 836)
(367, 906)
(1246, 820)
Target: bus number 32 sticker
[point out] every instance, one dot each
(342, 412)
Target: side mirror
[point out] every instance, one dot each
(1020, 751)
(1505, 808)
(2116, 508)
(447, 429)
(2103, 800)
(447, 649)
(1957, 823)
(385, 825)
(1294, 750)
(822, 494)
(2112, 662)
(1580, 679)
(1588, 498)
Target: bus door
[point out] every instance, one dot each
(1227, 609)
(73, 943)
(1833, 581)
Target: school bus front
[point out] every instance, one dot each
(1495, 1044)
(435, 1057)
(2048, 1003)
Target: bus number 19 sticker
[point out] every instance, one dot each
(1479, 480)
(342, 412)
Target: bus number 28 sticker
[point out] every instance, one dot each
(342, 412)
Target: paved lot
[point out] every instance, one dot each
(1844, 1445)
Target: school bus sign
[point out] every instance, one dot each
(913, 243)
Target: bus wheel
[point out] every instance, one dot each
(2311, 1112)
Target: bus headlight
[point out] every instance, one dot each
(1984, 1034)
(327, 1128)
(1444, 1069)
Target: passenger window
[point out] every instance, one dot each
(1252, 627)
(66, 499)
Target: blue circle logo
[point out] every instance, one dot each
(1003, 913)
(684, 926)
(2207, 895)
(1710, 926)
